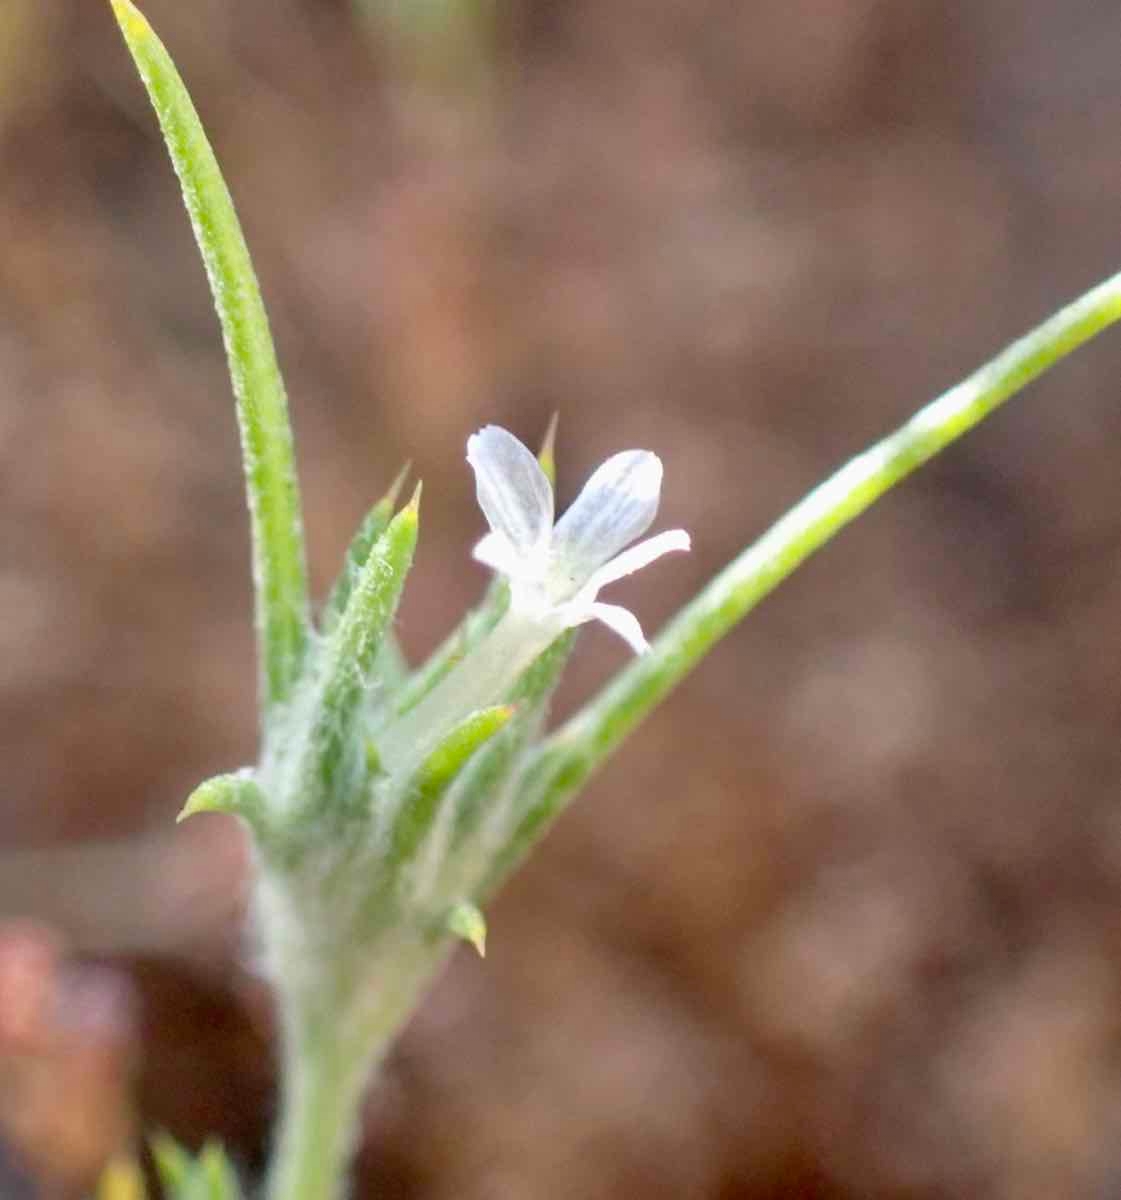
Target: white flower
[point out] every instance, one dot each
(556, 572)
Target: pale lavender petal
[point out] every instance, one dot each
(621, 621)
(616, 506)
(513, 491)
(495, 551)
(636, 558)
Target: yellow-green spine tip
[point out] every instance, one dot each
(546, 456)
(413, 505)
(194, 805)
(398, 483)
(236, 793)
(132, 21)
(122, 1179)
(468, 923)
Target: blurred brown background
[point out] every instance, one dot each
(843, 919)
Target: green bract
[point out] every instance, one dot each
(387, 805)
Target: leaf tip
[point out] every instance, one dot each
(546, 456)
(132, 21)
(397, 484)
(122, 1179)
(467, 922)
(413, 506)
(236, 794)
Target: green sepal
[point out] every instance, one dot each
(466, 921)
(448, 759)
(349, 656)
(437, 773)
(237, 793)
(479, 786)
(373, 525)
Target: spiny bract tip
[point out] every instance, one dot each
(131, 20)
(398, 483)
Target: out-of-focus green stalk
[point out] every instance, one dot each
(279, 573)
(440, 44)
(567, 758)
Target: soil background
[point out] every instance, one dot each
(842, 920)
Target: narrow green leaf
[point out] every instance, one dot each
(221, 1182)
(352, 649)
(237, 794)
(174, 1165)
(436, 775)
(374, 524)
(565, 761)
(210, 1176)
(262, 409)
(447, 760)
(467, 922)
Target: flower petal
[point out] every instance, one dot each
(621, 621)
(616, 506)
(495, 551)
(513, 492)
(637, 557)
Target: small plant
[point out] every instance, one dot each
(387, 804)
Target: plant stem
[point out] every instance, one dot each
(570, 756)
(323, 1088)
(334, 1039)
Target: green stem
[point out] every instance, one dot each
(580, 746)
(323, 1087)
(336, 1032)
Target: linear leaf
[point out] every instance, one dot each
(174, 1164)
(353, 648)
(436, 775)
(279, 571)
(565, 761)
(373, 525)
